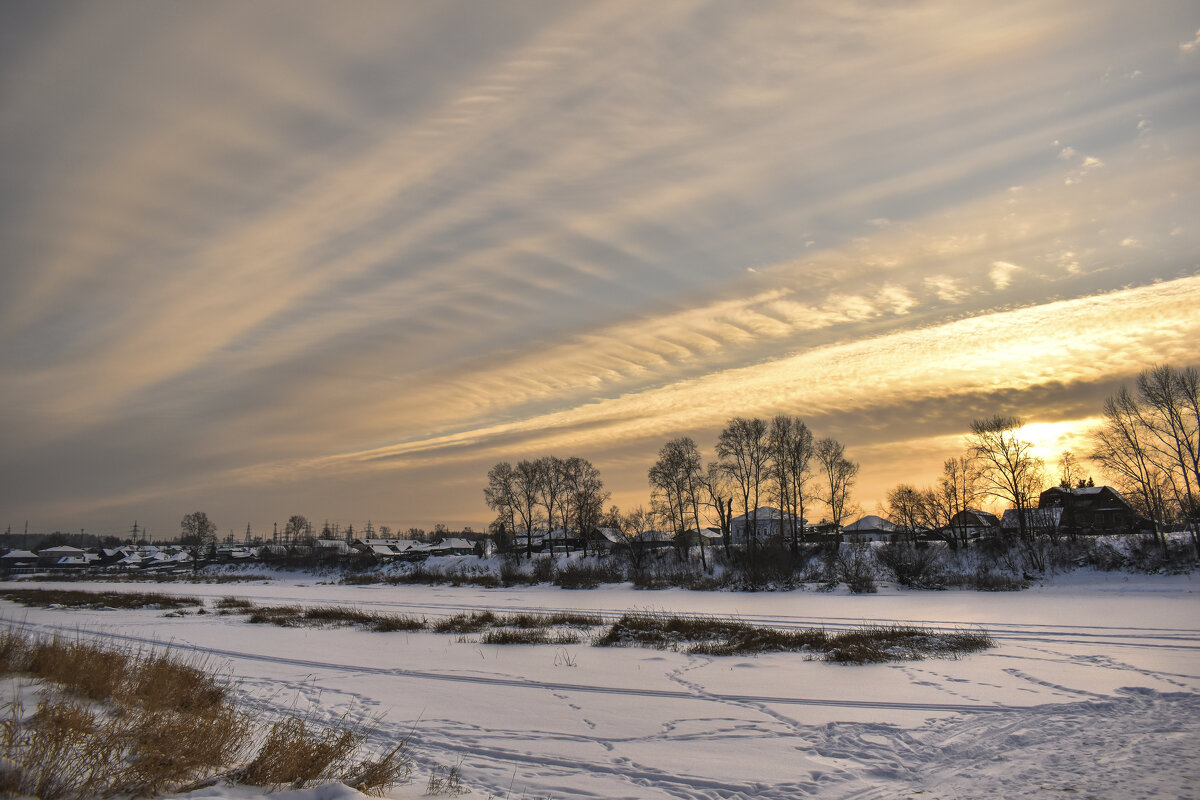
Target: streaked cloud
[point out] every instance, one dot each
(357, 242)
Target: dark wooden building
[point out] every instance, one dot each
(1093, 509)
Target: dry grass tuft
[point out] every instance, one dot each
(474, 622)
(115, 721)
(528, 636)
(723, 637)
(71, 598)
(298, 754)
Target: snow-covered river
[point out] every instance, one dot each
(1093, 690)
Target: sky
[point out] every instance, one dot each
(263, 259)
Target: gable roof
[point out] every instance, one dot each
(871, 522)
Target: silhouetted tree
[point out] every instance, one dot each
(677, 477)
(585, 496)
(296, 529)
(838, 474)
(742, 450)
(790, 449)
(1008, 468)
(199, 535)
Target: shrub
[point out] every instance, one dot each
(587, 576)
(543, 569)
(914, 565)
(511, 574)
(853, 567)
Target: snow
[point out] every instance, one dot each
(1093, 690)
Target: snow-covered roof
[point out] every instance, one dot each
(15, 554)
(1034, 518)
(453, 543)
(871, 522)
(613, 535)
(62, 549)
(763, 513)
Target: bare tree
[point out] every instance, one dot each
(584, 495)
(906, 507)
(957, 491)
(1121, 447)
(297, 526)
(634, 526)
(838, 474)
(718, 497)
(1148, 444)
(1009, 470)
(678, 477)
(742, 449)
(1070, 473)
(501, 496)
(550, 493)
(1170, 404)
(526, 483)
(790, 448)
(199, 535)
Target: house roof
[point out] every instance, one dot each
(1034, 518)
(15, 554)
(453, 543)
(613, 535)
(763, 513)
(871, 522)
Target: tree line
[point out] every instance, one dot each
(757, 461)
(1147, 445)
(569, 491)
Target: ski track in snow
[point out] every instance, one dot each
(1101, 711)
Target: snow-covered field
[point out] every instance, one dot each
(1092, 691)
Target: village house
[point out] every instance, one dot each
(1093, 509)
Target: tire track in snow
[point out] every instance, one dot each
(517, 683)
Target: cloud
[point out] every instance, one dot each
(1111, 335)
(946, 287)
(1001, 274)
(348, 232)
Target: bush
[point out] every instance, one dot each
(587, 576)
(914, 565)
(853, 567)
(511, 574)
(543, 569)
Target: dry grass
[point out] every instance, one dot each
(474, 622)
(723, 637)
(233, 605)
(297, 754)
(329, 616)
(528, 636)
(71, 598)
(115, 721)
